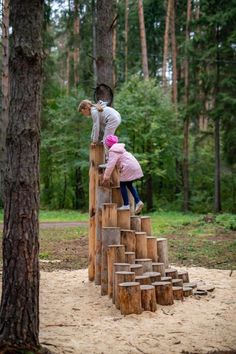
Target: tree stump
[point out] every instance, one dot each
(152, 248)
(173, 273)
(190, 285)
(177, 282)
(118, 267)
(166, 279)
(178, 292)
(130, 257)
(116, 196)
(146, 225)
(137, 268)
(110, 236)
(159, 267)
(162, 251)
(187, 291)
(127, 238)
(115, 177)
(154, 276)
(184, 276)
(141, 244)
(130, 298)
(164, 293)
(135, 223)
(148, 298)
(121, 277)
(123, 219)
(115, 254)
(146, 263)
(109, 215)
(143, 279)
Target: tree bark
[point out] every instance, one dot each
(19, 312)
(143, 40)
(76, 42)
(174, 56)
(126, 37)
(166, 44)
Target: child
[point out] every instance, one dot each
(129, 168)
(105, 119)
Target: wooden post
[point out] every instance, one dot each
(162, 251)
(141, 244)
(110, 236)
(121, 277)
(115, 178)
(96, 157)
(130, 257)
(143, 279)
(184, 276)
(164, 293)
(148, 298)
(177, 282)
(116, 196)
(146, 225)
(146, 263)
(123, 219)
(115, 254)
(187, 291)
(118, 267)
(166, 279)
(178, 292)
(154, 276)
(159, 267)
(171, 272)
(152, 248)
(137, 268)
(131, 203)
(130, 298)
(109, 215)
(135, 223)
(127, 238)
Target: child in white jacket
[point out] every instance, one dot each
(129, 168)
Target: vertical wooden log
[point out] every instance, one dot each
(148, 298)
(159, 267)
(171, 272)
(143, 279)
(146, 225)
(135, 223)
(166, 279)
(116, 196)
(121, 277)
(123, 219)
(131, 203)
(130, 298)
(177, 282)
(137, 268)
(141, 244)
(115, 254)
(110, 236)
(187, 291)
(127, 238)
(178, 292)
(109, 215)
(118, 267)
(146, 263)
(162, 251)
(164, 293)
(154, 276)
(152, 248)
(115, 178)
(184, 276)
(130, 257)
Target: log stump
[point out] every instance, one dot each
(152, 248)
(123, 219)
(130, 298)
(178, 292)
(118, 267)
(182, 274)
(141, 244)
(115, 254)
(115, 177)
(162, 251)
(154, 276)
(143, 279)
(187, 291)
(121, 277)
(116, 196)
(159, 267)
(135, 223)
(130, 257)
(190, 285)
(137, 268)
(109, 215)
(148, 298)
(170, 272)
(164, 293)
(127, 238)
(177, 282)
(146, 263)
(146, 225)
(166, 279)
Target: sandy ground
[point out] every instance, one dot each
(75, 318)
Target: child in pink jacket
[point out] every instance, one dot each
(129, 168)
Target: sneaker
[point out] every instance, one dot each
(124, 207)
(139, 207)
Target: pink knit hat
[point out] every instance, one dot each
(110, 140)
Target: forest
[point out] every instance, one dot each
(173, 75)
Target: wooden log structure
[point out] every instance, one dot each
(121, 277)
(141, 244)
(148, 298)
(146, 263)
(154, 276)
(115, 177)
(137, 268)
(171, 272)
(110, 236)
(178, 292)
(115, 254)
(118, 267)
(162, 251)
(130, 298)
(123, 219)
(128, 239)
(152, 248)
(146, 225)
(143, 279)
(96, 157)
(135, 223)
(159, 267)
(190, 285)
(177, 282)
(166, 279)
(130, 257)
(164, 293)
(109, 215)
(184, 276)
(187, 291)
(116, 196)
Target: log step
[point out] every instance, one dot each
(130, 298)
(148, 298)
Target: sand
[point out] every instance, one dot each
(75, 318)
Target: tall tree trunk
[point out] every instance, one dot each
(94, 16)
(126, 37)
(186, 121)
(104, 25)
(76, 42)
(174, 56)
(68, 56)
(5, 93)
(143, 40)
(19, 312)
(114, 35)
(166, 45)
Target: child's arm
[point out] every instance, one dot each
(96, 125)
(112, 161)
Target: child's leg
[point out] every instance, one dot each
(124, 193)
(133, 191)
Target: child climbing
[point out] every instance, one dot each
(105, 119)
(129, 167)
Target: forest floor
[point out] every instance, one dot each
(76, 319)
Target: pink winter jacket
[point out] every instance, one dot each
(127, 164)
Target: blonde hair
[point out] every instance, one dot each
(88, 104)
